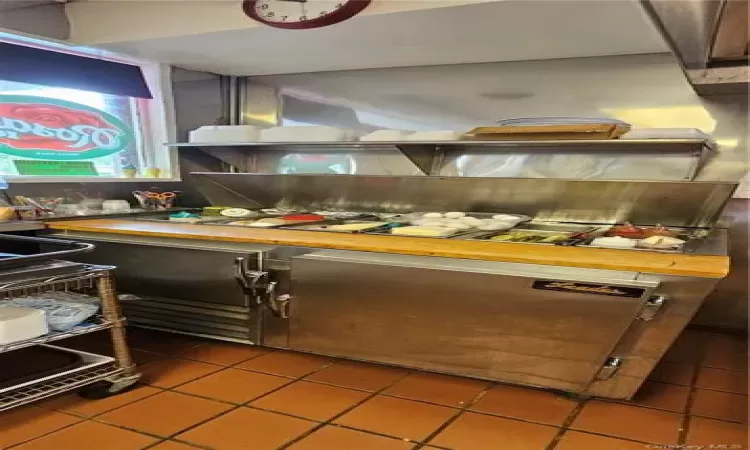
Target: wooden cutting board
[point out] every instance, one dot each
(547, 132)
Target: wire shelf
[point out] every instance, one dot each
(91, 325)
(34, 392)
(78, 280)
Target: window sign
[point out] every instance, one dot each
(55, 168)
(59, 130)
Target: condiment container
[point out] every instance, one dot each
(112, 206)
(19, 323)
(305, 134)
(225, 133)
(614, 242)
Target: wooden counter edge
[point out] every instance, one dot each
(662, 263)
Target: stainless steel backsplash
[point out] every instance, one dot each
(645, 90)
(645, 202)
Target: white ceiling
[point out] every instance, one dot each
(506, 30)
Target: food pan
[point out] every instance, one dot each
(691, 236)
(487, 236)
(555, 226)
(326, 226)
(385, 231)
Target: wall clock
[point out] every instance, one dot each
(302, 14)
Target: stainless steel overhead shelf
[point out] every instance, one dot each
(619, 145)
(429, 156)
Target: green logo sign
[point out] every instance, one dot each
(51, 129)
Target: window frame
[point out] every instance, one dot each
(155, 117)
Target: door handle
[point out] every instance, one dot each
(240, 269)
(277, 304)
(257, 284)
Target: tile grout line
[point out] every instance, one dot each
(719, 419)
(170, 389)
(171, 436)
(268, 352)
(161, 441)
(637, 405)
(370, 394)
(725, 368)
(158, 388)
(484, 413)
(159, 391)
(86, 418)
(619, 438)
(455, 417)
(235, 406)
(685, 425)
(420, 444)
(222, 369)
(330, 420)
(565, 425)
(46, 434)
(154, 436)
(720, 391)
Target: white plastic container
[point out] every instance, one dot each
(385, 135)
(423, 231)
(614, 242)
(19, 324)
(225, 133)
(116, 206)
(427, 136)
(665, 133)
(305, 134)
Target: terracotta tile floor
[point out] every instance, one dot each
(198, 394)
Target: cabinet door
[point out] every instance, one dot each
(182, 289)
(463, 317)
(172, 272)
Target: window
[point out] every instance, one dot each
(57, 133)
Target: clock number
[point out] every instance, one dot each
(302, 17)
(323, 13)
(264, 6)
(339, 5)
(284, 17)
(270, 14)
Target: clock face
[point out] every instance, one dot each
(302, 14)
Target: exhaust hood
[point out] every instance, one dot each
(710, 37)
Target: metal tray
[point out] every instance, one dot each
(691, 236)
(461, 234)
(201, 221)
(90, 360)
(324, 226)
(488, 235)
(478, 215)
(71, 248)
(556, 226)
(163, 217)
(387, 232)
(285, 225)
